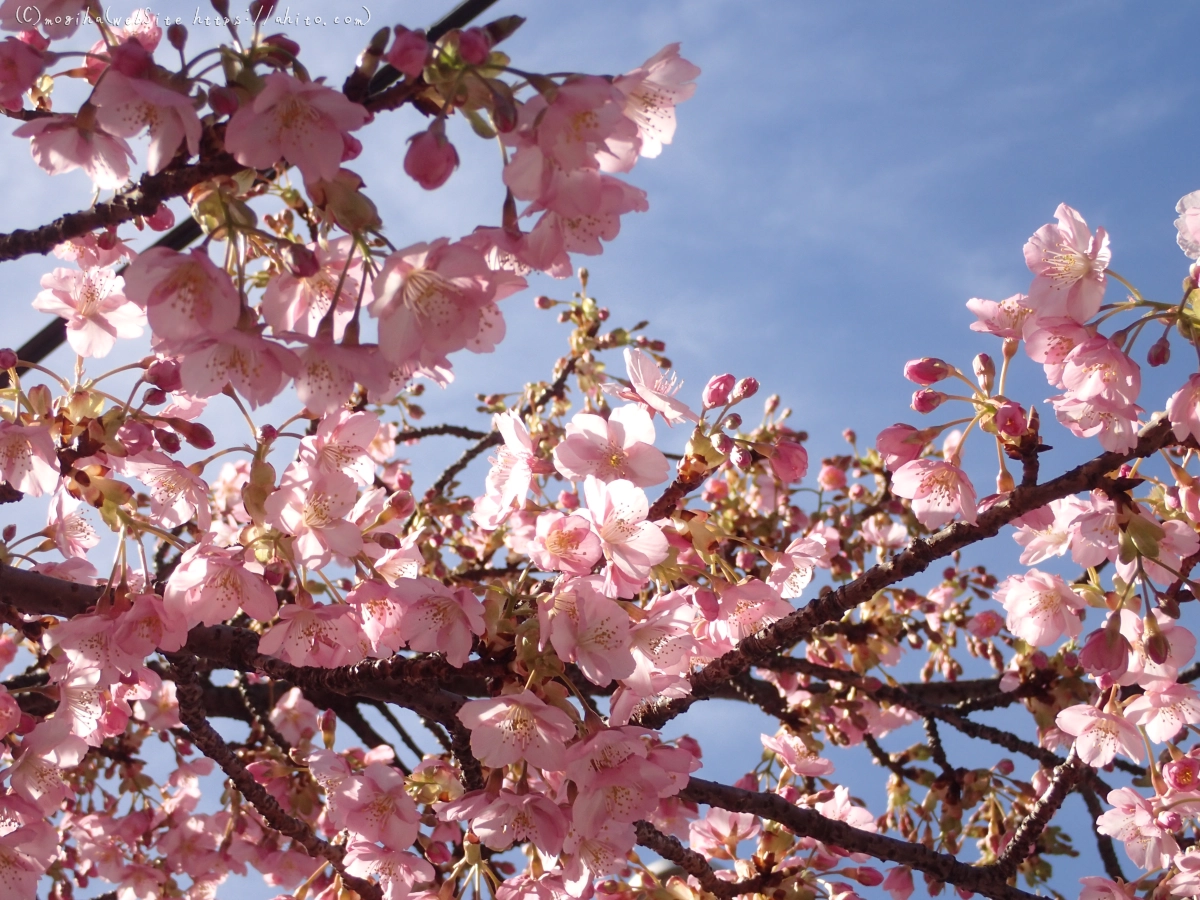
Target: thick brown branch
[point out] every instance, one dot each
(1031, 827)
(204, 736)
(986, 880)
(797, 626)
(694, 864)
(141, 200)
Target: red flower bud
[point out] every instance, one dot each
(927, 371)
(716, 392)
(926, 401)
(8, 358)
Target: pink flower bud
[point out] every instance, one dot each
(732, 422)
(1170, 820)
(402, 504)
(927, 370)
(900, 444)
(543, 302)
(1159, 353)
(722, 442)
(831, 478)
(926, 401)
(986, 624)
(742, 458)
(716, 392)
(985, 371)
(10, 532)
(857, 492)
(474, 46)
(745, 559)
(849, 436)
(1005, 767)
(568, 500)
(1011, 420)
(301, 262)
(261, 9)
(154, 397)
(224, 101)
(167, 440)
(162, 219)
(746, 387)
(771, 404)
(409, 51)
(1106, 650)
(289, 47)
(8, 358)
(1182, 774)
(865, 875)
(177, 35)
(430, 158)
(387, 540)
(268, 433)
(164, 373)
(194, 433)
(789, 461)
(131, 58)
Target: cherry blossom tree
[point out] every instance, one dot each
(546, 619)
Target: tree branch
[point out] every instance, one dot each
(694, 864)
(798, 625)
(1025, 838)
(986, 880)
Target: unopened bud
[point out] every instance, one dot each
(268, 433)
(301, 262)
(8, 358)
(1157, 647)
(771, 404)
(745, 388)
(168, 440)
(328, 728)
(716, 392)
(985, 371)
(164, 373)
(221, 6)
(402, 503)
(568, 500)
(602, 314)
(722, 443)
(732, 422)
(223, 100)
(927, 370)
(926, 400)
(1005, 767)
(543, 302)
(274, 572)
(849, 436)
(261, 9)
(1159, 353)
(742, 458)
(177, 36)
(10, 532)
(199, 436)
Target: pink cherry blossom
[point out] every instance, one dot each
(653, 389)
(939, 491)
(396, 872)
(316, 636)
(28, 458)
(292, 302)
(312, 507)
(435, 299)
(1097, 888)
(513, 467)
(62, 143)
(376, 806)
(720, 831)
(184, 294)
(1188, 224)
(1097, 370)
(502, 819)
(409, 51)
(620, 447)
(1099, 735)
(127, 105)
(1178, 642)
(792, 570)
(256, 368)
(96, 311)
(1183, 409)
(1054, 539)
(565, 544)
(652, 91)
(306, 123)
(1041, 607)
(1068, 263)
(632, 545)
(211, 584)
(793, 753)
(20, 67)
(588, 629)
(1164, 709)
(747, 608)
(1134, 822)
(177, 495)
(341, 445)
(517, 726)
(436, 619)
(1004, 318)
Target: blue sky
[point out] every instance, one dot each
(845, 178)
